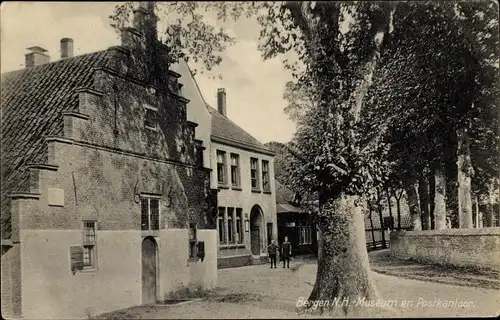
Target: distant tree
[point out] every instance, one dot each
(279, 160)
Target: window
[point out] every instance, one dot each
(150, 213)
(89, 245)
(235, 170)
(221, 167)
(269, 233)
(192, 241)
(230, 230)
(239, 226)
(220, 225)
(254, 173)
(265, 176)
(199, 156)
(151, 117)
(305, 235)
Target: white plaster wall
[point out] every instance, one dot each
(245, 198)
(176, 271)
(50, 290)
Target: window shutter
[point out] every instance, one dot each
(76, 257)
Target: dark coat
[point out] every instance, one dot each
(272, 249)
(286, 249)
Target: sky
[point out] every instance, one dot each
(254, 87)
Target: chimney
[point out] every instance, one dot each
(145, 19)
(221, 101)
(66, 48)
(36, 57)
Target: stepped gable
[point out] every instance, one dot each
(33, 101)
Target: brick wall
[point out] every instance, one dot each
(459, 247)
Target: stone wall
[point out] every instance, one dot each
(457, 247)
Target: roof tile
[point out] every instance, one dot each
(223, 127)
(32, 102)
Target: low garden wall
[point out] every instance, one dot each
(458, 247)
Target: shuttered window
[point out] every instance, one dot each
(192, 240)
(89, 245)
(150, 213)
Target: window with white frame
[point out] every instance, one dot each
(220, 225)
(235, 170)
(150, 213)
(239, 225)
(305, 235)
(230, 230)
(150, 117)
(254, 173)
(89, 244)
(265, 176)
(221, 167)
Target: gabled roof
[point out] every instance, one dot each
(228, 132)
(32, 101)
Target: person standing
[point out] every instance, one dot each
(272, 250)
(286, 252)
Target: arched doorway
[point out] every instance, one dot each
(149, 270)
(256, 230)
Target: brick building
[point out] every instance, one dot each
(106, 203)
(242, 171)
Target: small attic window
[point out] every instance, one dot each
(150, 117)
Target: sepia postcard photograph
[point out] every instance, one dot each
(250, 159)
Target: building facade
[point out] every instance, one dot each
(106, 203)
(243, 174)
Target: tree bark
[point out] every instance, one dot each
(390, 207)
(423, 192)
(398, 206)
(490, 208)
(381, 217)
(343, 266)
(371, 227)
(478, 216)
(465, 173)
(413, 203)
(432, 198)
(440, 199)
(490, 214)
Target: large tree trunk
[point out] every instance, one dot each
(465, 173)
(343, 267)
(423, 192)
(440, 199)
(413, 204)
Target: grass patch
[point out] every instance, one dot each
(188, 293)
(238, 298)
(117, 315)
